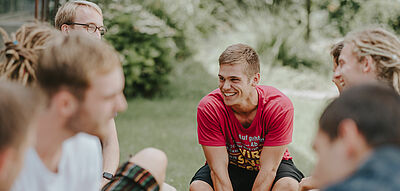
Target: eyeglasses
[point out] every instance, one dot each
(91, 28)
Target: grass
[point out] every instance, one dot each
(169, 123)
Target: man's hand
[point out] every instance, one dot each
(269, 162)
(307, 183)
(217, 159)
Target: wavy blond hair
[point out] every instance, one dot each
(384, 48)
(21, 52)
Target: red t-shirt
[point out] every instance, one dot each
(272, 126)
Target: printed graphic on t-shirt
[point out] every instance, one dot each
(245, 152)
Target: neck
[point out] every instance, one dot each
(50, 135)
(248, 105)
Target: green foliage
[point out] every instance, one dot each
(347, 15)
(147, 46)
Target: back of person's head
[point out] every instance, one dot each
(383, 47)
(20, 55)
(17, 108)
(241, 53)
(71, 61)
(66, 13)
(374, 108)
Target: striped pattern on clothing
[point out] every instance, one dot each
(131, 177)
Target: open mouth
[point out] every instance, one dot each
(229, 94)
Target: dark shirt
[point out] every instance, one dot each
(381, 172)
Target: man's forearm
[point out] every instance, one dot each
(110, 150)
(264, 180)
(221, 180)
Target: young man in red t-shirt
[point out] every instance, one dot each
(244, 130)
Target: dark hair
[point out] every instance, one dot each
(335, 51)
(374, 108)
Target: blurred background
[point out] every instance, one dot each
(170, 51)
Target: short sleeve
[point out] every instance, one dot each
(280, 129)
(209, 131)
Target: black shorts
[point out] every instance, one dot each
(243, 180)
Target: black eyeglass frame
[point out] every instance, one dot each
(102, 29)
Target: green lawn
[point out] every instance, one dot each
(170, 125)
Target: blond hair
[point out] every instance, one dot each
(67, 12)
(20, 55)
(241, 53)
(384, 48)
(71, 61)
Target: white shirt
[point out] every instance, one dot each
(80, 168)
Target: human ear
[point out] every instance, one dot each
(64, 28)
(64, 103)
(368, 64)
(256, 79)
(353, 140)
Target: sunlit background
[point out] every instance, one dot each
(170, 51)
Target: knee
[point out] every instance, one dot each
(151, 153)
(287, 184)
(198, 185)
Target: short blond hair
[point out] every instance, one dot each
(383, 47)
(71, 61)
(239, 53)
(67, 12)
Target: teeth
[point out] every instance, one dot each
(342, 84)
(229, 94)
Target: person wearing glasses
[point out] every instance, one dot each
(88, 17)
(80, 15)
(148, 166)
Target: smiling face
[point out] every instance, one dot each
(352, 71)
(236, 87)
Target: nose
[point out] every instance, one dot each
(97, 34)
(226, 85)
(121, 103)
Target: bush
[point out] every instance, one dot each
(146, 44)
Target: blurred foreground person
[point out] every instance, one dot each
(244, 129)
(358, 141)
(370, 55)
(87, 17)
(17, 110)
(82, 82)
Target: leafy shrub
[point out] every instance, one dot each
(146, 44)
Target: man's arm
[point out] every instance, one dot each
(110, 149)
(270, 159)
(217, 159)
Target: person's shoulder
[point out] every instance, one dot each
(84, 145)
(272, 97)
(213, 99)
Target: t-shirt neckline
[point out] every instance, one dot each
(256, 118)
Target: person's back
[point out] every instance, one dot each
(79, 168)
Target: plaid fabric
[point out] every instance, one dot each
(131, 177)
